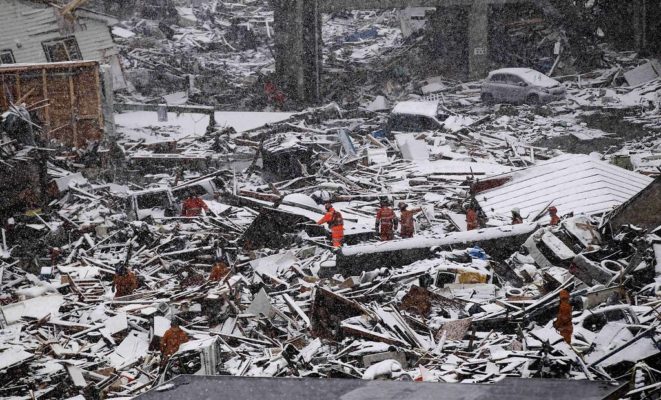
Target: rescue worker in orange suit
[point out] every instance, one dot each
(219, 270)
(171, 340)
(563, 323)
(471, 219)
(193, 206)
(125, 281)
(553, 213)
(406, 217)
(335, 222)
(516, 216)
(386, 222)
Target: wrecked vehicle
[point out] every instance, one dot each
(151, 203)
(208, 187)
(415, 116)
(558, 246)
(520, 85)
(197, 357)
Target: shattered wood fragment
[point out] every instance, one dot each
(327, 312)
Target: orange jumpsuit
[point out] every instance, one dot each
(408, 226)
(555, 220)
(471, 220)
(563, 322)
(336, 224)
(125, 284)
(193, 206)
(386, 220)
(171, 340)
(219, 270)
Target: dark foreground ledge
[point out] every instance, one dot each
(192, 387)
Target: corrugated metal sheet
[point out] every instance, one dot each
(571, 182)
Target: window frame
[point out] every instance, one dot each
(9, 52)
(69, 42)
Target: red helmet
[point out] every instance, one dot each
(553, 210)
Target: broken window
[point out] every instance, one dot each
(7, 57)
(498, 78)
(153, 200)
(513, 79)
(65, 49)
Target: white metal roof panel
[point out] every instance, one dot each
(571, 182)
(424, 108)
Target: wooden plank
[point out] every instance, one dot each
(97, 79)
(74, 122)
(44, 86)
(18, 87)
(67, 65)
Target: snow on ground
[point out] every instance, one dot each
(137, 125)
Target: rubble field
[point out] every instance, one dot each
(454, 303)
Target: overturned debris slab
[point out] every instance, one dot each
(364, 257)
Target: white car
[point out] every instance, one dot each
(415, 116)
(520, 85)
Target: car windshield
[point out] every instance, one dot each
(539, 79)
(153, 200)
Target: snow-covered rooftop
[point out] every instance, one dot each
(424, 108)
(573, 183)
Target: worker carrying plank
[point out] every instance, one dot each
(193, 205)
(386, 221)
(171, 340)
(125, 281)
(335, 222)
(563, 323)
(406, 216)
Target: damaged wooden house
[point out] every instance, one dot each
(33, 32)
(50, 64)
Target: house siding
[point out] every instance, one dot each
(25, 25)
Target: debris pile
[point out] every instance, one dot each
(257, 287)
(196, 242)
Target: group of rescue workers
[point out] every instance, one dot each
(386, 224)
(473, 218)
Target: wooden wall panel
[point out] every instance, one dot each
(65, 96)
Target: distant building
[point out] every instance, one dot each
(34, 32)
